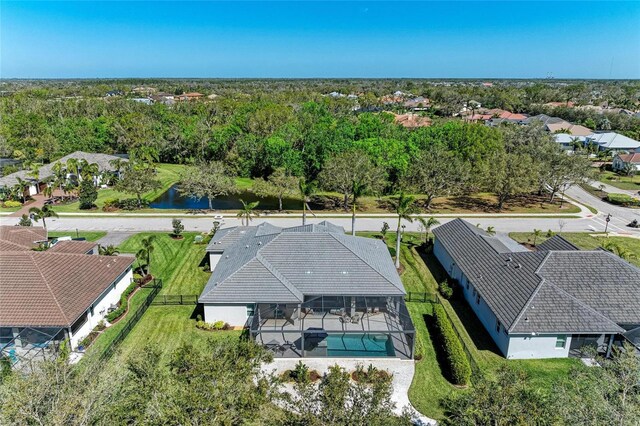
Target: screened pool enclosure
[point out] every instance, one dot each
(335, 326)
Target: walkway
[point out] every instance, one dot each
(612, 189)
(38, 201)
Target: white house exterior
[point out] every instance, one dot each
(614, 142)
(542, 304)
(620, 161)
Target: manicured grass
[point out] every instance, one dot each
(586, 241)
(9, 209)
(166, 328)
(622, 182)
(175, 261)
(87, 235)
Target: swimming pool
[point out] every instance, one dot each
(359, 345)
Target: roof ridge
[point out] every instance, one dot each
(46, 282)
(535, 292)
(334, 236)
(292, 288)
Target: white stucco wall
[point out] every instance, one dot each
(214, 258)
(111, 296)
(540, 346)
(234, 315)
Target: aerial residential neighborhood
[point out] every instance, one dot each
(319, 213)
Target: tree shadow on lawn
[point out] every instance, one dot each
(476, 331)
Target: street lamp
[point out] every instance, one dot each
(607, 220)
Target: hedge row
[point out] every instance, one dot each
(124, 301)
(622, 200)
(451, 347)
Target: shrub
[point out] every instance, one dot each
(216, 326)
(622, 200)
(459, 369)
(125, 204)
(178, 227)
(300, 373)
(124, 301)
(25, 221)
(11, 203)
(445, 290)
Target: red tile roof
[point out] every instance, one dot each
(42, 289)
(79, 247)
(21, 237)
(630, 158)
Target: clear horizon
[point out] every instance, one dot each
(253, 40)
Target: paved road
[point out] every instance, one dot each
(620, 216)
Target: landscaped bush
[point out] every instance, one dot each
(623, 200)
(124, 301)
(301, 374)
(445, 290)
(459, 369)
(125, 204)
(370, 375)
(11, 203)
(216, 326)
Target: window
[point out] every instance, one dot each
(561, 342)
(478, 298)
(467, 284)
(498, 326)
(250, 310)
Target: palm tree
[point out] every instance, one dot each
(72, 166)
(491, 230)
(48, 191)
(307, 189)
(43, 213)
(109, 250)
(247, 211)
(22, 186)
(536, 234)
(404, 206)
(144, 253)
(427, 224)
(89, 171)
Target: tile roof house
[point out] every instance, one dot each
(411, 121)
(546, 303)
(53, 295)
(614, 141)
(556, 124)
(620, 161)
(309, 291)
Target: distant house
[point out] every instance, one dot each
(418, 104)
(146, 101)
(556, 125)
(411, 121)
(567, 142)
(192, 96)
(621, 161)
(495, 116)
(45, 173)
(112, 93)
(54, 295)
(614, 142)
(309, 291)
(548, 303)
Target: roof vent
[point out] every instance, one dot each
(526, 319)
(344, 272)
(518, 266)
(259, 243)
(308, 272)
(247, 246)
(510, 259)
(226, 257)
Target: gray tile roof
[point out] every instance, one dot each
(46, 171)
(557, 242)
(546, 291)
(269, 264)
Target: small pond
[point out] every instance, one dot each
(172, 199)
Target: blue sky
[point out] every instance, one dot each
(320, 39)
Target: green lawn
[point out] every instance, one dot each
(586, 241)
(87, 235)
(175, 261)
(421, 273)
(623, 182)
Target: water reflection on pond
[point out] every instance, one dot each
(172, 199)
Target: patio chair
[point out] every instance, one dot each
(355, 319)
(344, 318)
(337, 311)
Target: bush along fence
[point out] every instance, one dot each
(421, 297)
(133, 318)
(476, 372)
(459, 369)
(176, 299)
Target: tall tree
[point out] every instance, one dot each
(146, 250)
(437, 172)
(352, 169)
(137, 179)
(404, 206)
(208, 180)
(279, 184)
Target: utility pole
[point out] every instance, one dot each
(607, 220)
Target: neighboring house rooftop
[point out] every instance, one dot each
(612, 140)
(412, 120)
(546, 291)
(46, 171)
(42, 289)
(265, 263)
(77, 247)
(633, 158)
(21, 237)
